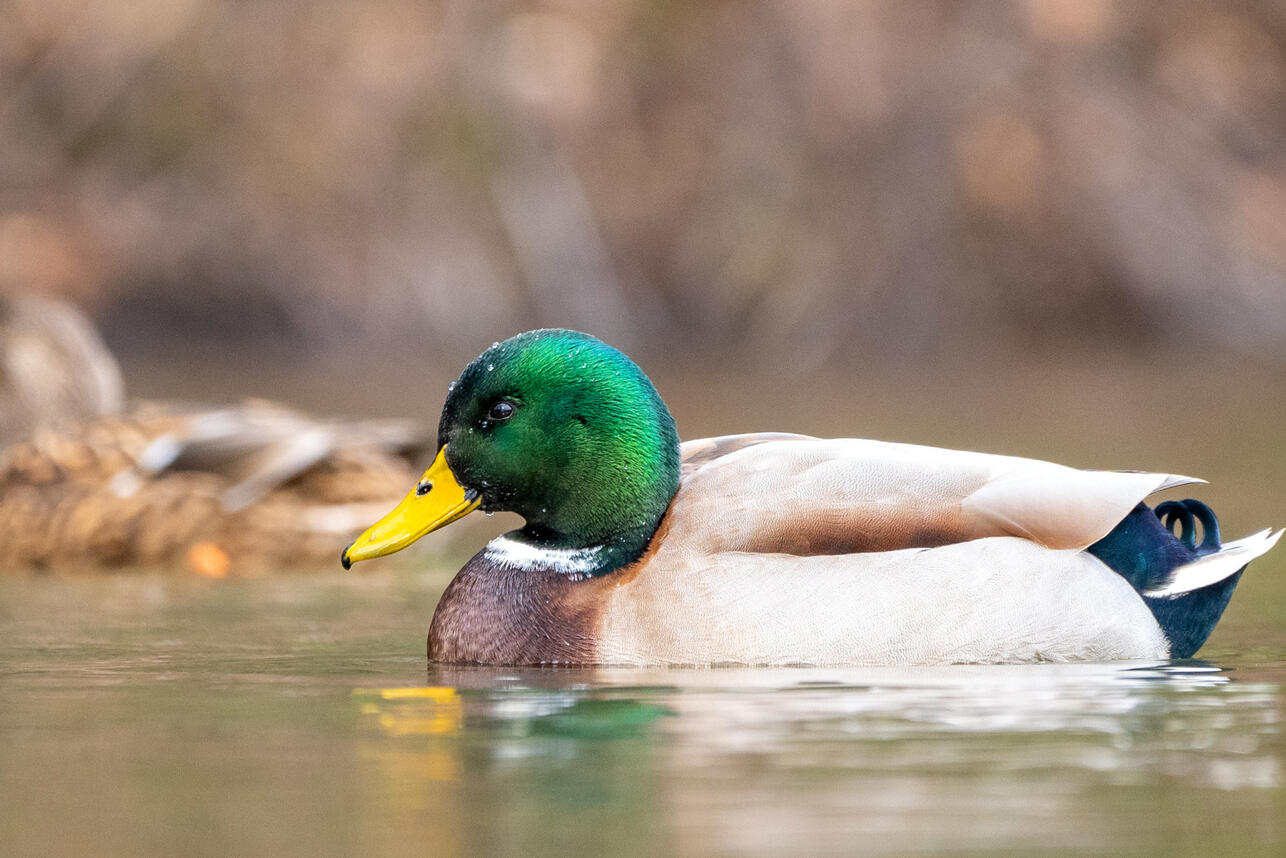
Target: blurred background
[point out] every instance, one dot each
(1054, 228)
(799, 183)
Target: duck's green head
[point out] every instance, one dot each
(560, 428)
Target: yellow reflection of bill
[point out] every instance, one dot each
(417, 711)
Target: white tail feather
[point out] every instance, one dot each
(1215, 567)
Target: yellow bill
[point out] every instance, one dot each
(436, 501)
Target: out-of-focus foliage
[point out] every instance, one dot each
(804, 181)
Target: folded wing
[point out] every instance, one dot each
(800, 495)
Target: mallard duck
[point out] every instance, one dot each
(777, 549)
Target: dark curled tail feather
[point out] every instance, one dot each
(1145, 550)
(1184, 513)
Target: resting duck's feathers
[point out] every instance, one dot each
(786, 549)
(799, 495)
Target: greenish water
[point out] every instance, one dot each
(144, 715)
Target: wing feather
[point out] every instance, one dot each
(802, 495)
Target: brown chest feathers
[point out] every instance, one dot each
(490, 615)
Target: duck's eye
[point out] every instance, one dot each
(502, 410)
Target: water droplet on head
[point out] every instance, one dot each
(490, 367)
(488, 513)
(495, 345)
(451, 386)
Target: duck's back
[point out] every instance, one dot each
(786, 548)
(799, 495)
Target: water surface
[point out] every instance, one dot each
(146, 715)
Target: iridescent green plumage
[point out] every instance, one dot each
(589, 456)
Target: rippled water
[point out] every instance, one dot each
(296, 716)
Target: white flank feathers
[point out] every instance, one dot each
(997, 599)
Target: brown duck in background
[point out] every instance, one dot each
(54, 368)
(244, 489)
(231, 490)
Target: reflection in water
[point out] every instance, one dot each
(426, 711)
(151, 717)
(764, 760)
